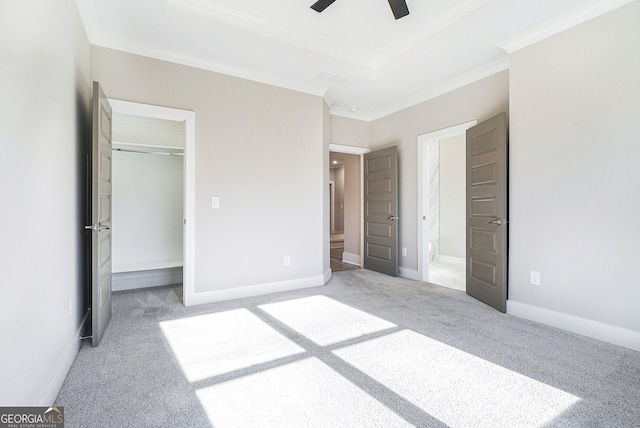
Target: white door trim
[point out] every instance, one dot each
(351, 150)
(360, 151)
(423, 190)
(189, 119)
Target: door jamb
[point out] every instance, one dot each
(360, 151)
(189, 119)
(423, 190)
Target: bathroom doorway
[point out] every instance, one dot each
(442, 201)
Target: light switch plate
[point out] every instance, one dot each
(215, 202)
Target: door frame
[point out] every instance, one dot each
(189, 119)
(360, 151)
(423, 190)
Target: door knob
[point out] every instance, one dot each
(498, 222)
(393, 217)
(97, 227)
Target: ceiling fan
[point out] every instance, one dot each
(398, 7)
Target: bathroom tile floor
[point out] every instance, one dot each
(448, 275)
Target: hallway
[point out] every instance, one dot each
(337, 248)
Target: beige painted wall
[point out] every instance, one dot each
(575, 175)
(44, 108)
(332, 178)
(350, 132)
(325, 256)
(352, 204)
(339, 197)
(453, 214)
(259, 148)
(477, 101)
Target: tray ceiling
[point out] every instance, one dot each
(355, 54)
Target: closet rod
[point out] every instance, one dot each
(147, 152)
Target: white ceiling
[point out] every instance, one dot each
(365, 63)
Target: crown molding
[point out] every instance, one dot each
(577, 16)
(435, 91)
(450, 85)
(136, 47)
(97, 37)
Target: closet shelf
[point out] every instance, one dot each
(137, 267)
(146, 148)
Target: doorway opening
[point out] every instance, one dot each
(346, 207)
(442, 202)
(152, 197)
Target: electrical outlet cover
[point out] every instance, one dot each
(534, 277)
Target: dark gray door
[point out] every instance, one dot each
(381, 211)
(100, 216)
(487, 212)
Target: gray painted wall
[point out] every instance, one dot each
(477, 101)
(575, 174)
(243, 130)
(44, 108)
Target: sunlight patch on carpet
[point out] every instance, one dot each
(453, 386)
(306, 393)
(222, 342)
(324, 320)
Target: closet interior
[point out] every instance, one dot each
(147, 205)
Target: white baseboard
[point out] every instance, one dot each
(458, 261)
(51, 388)
(213, 296)
(327, 276)
(352, 259)
(409, 274)
(585, 327)
(147, 278)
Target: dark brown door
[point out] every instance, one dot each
(487, 212)
(381, 211)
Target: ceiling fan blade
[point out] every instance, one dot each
(321, 5)
(399, 8)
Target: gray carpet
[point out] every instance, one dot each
(134, 377)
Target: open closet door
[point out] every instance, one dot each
(381, 211)
(487, 212)
(100, 290)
